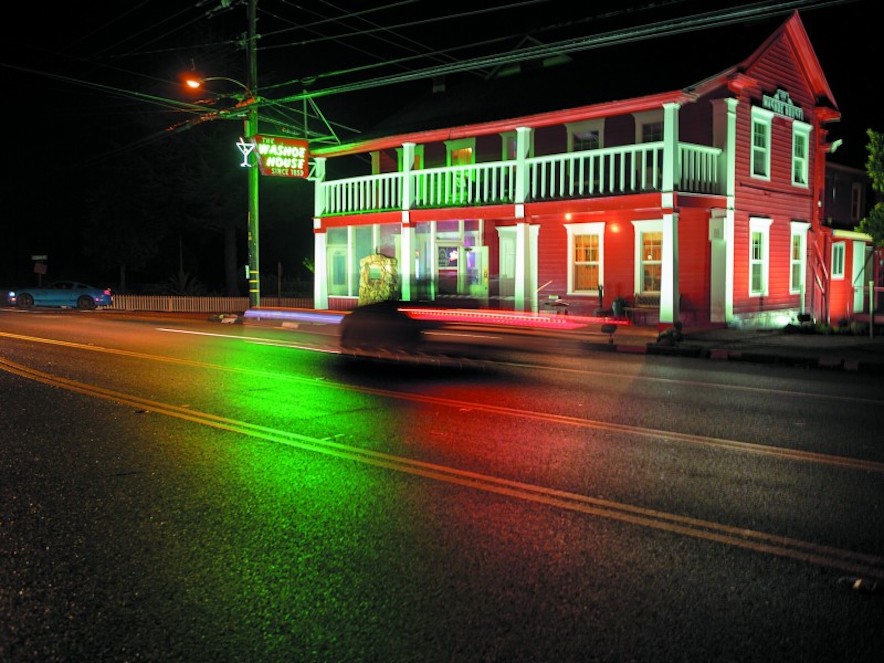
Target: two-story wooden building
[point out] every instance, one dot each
(702, 204)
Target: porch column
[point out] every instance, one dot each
(669, 292)
(318, 186)
(406, 244)
(406, 262)
(671, 155)
(525, 286)
(724, 129)
(523, 149)
(320, 267)
(407, 165)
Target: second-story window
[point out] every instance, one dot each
(652, 132)
(800, 143)
(589, 135)
(460, 152)
(856, 202)
(509, 144)
(761, 130)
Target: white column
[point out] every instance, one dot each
(318, 186)
(407, 163)
(320, 267)
(521, 296)
(669, 291)
(406, 253)
(671, 155)
(523, 149)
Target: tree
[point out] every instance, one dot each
(122, 228)
(873, 224)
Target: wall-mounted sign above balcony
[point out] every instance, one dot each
(781, 104)
(281, 157)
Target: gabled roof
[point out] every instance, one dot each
(603, 83)
(794, 32)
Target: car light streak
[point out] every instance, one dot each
(847, 561)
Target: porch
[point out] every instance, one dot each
(611, 171)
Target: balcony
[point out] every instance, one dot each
(611, 171)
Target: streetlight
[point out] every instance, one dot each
(250, 125)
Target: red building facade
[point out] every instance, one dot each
(702, 204)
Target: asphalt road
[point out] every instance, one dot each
(184, 490)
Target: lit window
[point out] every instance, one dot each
(796, 257)
(838, 260)
(586, 262)
(585, 251)
(460, 152)
(800, 142)
(651, 261)
(759, 255)
(761, 126)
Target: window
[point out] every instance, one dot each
(509, 145)
(856, 198)
(336, 255)
(589, 135)
(838, 260)
(800, 143)
(761, 125)
(651, 261)
(585, 251)
(460, 152)
(648, 256)
(649, 126)
(796, 257)
(759, 255)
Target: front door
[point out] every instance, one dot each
(473, 276)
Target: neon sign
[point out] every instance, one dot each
(281, 157)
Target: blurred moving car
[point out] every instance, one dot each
(71, 294)
(380, 327)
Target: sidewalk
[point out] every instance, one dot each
(809, 350)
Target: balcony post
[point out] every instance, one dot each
(671, 166)
(523, 149)
(318, 177)
(407, 167)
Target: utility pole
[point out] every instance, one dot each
(251, 129)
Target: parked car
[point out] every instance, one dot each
(63, 293)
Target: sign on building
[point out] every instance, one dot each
(279, 156)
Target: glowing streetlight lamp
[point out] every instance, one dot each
(250, 126)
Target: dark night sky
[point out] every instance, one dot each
(82, 81)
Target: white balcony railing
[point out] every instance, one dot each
(610, 171)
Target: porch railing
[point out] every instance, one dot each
(608, 171)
